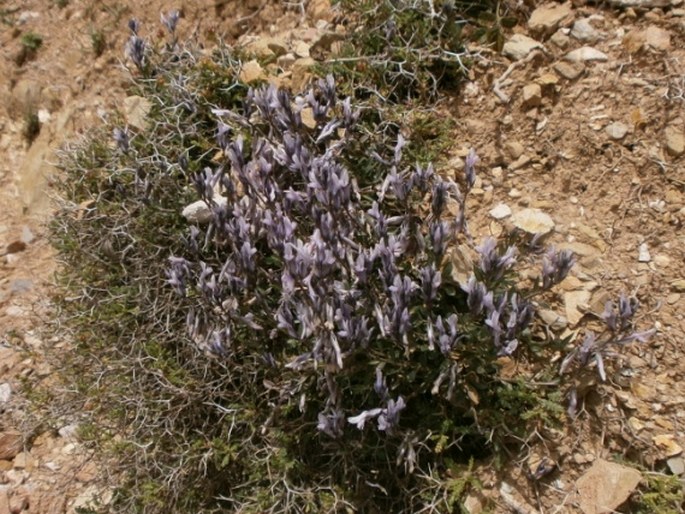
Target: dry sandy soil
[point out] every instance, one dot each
(596, 144)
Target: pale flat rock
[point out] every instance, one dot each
(657, 38)
(136, 111)
(11, 443)
(668, 445)
(674, 140)
(585, 54)
(552, 319)
(644, 4)
(547, 18)
(519, 46)
(575, 305)
(569, 70)
(676, 465)
(5, 393)
(643, 253)
(500, 211)
(533, 221)
(199, 212)
(605, 486)
(584, 32)
(251, 71)
(532, 95)
(616, 130)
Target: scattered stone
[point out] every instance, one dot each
(585, 54)
(15, 311)
(676, 465)
(136, 110)
(643, 253)
(69, 432)
(547, 18)
(21, 285)
(584, 32)
(460, 264)
(657, 38)
(18, 503)
(514, 149)
(500, 211)
(642, 4)
(533, 221)
(532, 95)
(514, 193)
(11, 443)
(5, 393)
(26, 235)
(570, 71)
(678, 285)
(15, 247)
(519, 46)
(576, 303)
(673, 298)
(617, 130)
(666, 443)
(301, 49)
(251, 71)
(23, 460)
(473, 505)
(675, 141)
(635, 424)
(286, 61)
(552, 319)
(605, 486)
(199, 212)
(560, 39)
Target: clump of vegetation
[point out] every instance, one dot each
(409, 48)
(31, 126)
(30, 43)
(298, 342)
(98, 42)
(658, 494)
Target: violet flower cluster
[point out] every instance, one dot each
(305, 268)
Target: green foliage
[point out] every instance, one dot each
(31, 126)
(659, 494)
(98, 42)
(31, 41)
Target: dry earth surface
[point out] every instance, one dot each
(579, 124)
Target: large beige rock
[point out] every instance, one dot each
(251, 71)
(533, 221)
(605, 486)
(548, 17)
(11, 443)
(519, 46)
(136, 111)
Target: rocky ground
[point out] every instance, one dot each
(580, 128)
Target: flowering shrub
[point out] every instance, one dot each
(316, 354)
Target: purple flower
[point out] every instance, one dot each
(135, 50)
(555, 267)
(134, 26)
(331, 423)
(360, 419)
(430, 282)
(493, 265)
(389, 418)
(170, 20)
(121, 139)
